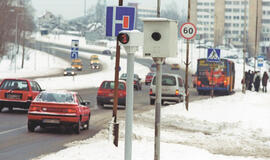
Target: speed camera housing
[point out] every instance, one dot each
(160, 37)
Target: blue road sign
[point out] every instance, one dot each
(74, 49)
(260, 60)
(118, 19)
(213, 55)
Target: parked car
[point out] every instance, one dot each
(136, 81)
(172, 89)
(59, 108)
(18, 93)
(69, 71)
(77, 64)
(149, 77)
(105, 94)
(175, 66)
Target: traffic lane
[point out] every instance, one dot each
(20, 144)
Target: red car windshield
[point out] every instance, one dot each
(55, 97)
(110, 85)
(14, 85)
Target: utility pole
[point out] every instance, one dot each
(116, 83)
(187, 63)
(84, 7)
(256, 35)
(244, 49)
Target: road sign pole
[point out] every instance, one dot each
(129, 106)
(116, 81)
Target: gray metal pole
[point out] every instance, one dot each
(159, 62)
(129, 106)
(244, 49)
(256, 35)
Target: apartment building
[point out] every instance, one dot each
(223, 21)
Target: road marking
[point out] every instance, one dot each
(11, 130)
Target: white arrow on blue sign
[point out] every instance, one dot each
(213, 55)
(118, 19)
(74, 49)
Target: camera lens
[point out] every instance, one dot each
(156, 36)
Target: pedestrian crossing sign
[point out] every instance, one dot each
(213, 55)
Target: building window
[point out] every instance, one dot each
(266, 3)
(228, 2)
(227, 24)
(236, 24)
(228, 10)
(200, 3)
(206, 4)
(235, 17)
(236, 2)
(206, 16)
(236, 10)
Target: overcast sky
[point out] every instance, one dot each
(75, 8)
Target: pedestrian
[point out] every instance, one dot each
(251, 77)
(247, 79)
(264, 81)
(257, 81)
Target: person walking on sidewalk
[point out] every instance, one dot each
(264, 81)
(257, 81)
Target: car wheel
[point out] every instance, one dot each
(182, 98)
(87, 123)
(146, 83)
(77, 128)
(152, 101)
(162, 102)
(10, 109)
(100, 105)
(1, 109)
(31, 127)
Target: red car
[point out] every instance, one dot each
(18, 93)
(149, 78)
(105, 93)
(59, 108)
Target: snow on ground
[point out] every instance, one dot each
(36, 63)
(234, 127)
(211, 129)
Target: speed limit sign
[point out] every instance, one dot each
(188, 30)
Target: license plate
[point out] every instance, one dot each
(14, 96)
(111, 100)
(52, 121)
(110, 94)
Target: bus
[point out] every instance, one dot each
(219, 76)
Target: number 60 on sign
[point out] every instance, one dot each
(188, 30)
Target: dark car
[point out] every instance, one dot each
(105, 94)
(69, 72)
(18, 93)
(136, 80)
(149, 77)
(59, 108)
(107, 52)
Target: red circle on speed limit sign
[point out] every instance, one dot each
(188, 30)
